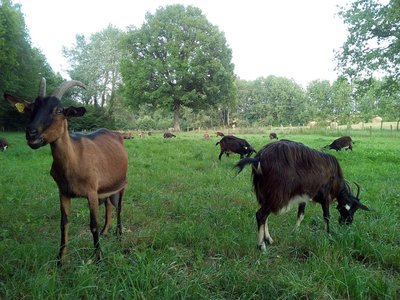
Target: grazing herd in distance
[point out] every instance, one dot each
(95, 166)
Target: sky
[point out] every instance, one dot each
(289, 38)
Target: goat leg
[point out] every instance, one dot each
(94, 228)
(65, 205)
(119, 208)
(325, 211)
(107, 224)
(263, 232)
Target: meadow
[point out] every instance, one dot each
(189, 228)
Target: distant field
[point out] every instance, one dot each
(190, 231)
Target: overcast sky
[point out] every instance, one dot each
(290, 38)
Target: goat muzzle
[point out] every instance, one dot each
(34, 138)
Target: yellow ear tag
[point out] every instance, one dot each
(20, 107)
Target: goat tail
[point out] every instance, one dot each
(247, 161)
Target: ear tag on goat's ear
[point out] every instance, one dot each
(20, 107)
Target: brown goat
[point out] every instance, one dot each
(93, 166)
(219, 133)
(286, 173)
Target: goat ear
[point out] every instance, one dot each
(74, 111)
(21, 105)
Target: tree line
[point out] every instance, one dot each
(176, 71)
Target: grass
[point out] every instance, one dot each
(190, 231)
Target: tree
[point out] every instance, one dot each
(319, 98)
(178, 59)
(373, 44)
(21, 65)
(343, 105)
(96, 62)
(272, 101)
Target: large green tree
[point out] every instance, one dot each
(319, 99)
(96, 62)
(21, 65)
(178, 59)
(272, 101)
(373, 43)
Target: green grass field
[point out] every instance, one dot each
(189, 228)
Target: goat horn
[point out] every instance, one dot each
(42, 88)
(358, 189)
(60, 91)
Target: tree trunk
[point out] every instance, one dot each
(177, 109)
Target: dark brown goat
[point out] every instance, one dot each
(233, 144)
(219, 133)
(342, 142)
(3, 144)
(168, 135)
(287, 173)
(93, 166)
(273, 136)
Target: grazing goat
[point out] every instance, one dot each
(206, 136)
(273, 136)
(219, 133)
(168, 135)
(287, 173)
(3, 144)
(93, 166)
(342, 142)
(233, 144)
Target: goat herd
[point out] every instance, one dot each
(94, 166)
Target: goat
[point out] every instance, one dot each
(93, 166)
(3, 144)
(206, 136)
(273, 136)
(342, 142)
(287, 173)
(168, 135)
(219, 133)
(233, 144)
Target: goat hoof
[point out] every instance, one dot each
(262, 247)
(269, 241)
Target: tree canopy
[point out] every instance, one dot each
(373, 43)
(178, 59)
(21, 65)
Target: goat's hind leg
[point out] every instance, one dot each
(263, 231)
(108, 216)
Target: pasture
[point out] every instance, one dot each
(189, 228)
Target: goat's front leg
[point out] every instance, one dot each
(94, 226)
(325, 211)
(119, 208)
(300, 214)
(65, 205)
